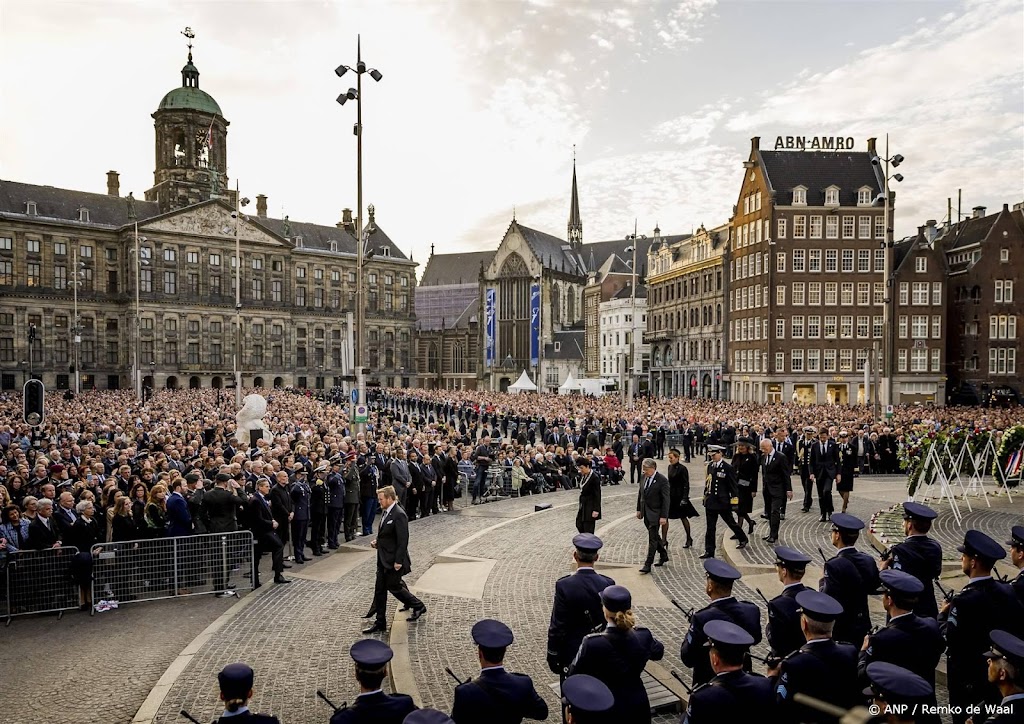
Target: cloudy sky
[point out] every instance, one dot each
(482, 102)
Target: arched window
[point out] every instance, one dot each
(570, 306)
(556, 304)
(458, 358)
(718, 314)
(657, 356)
(432, 357)
(668, 355)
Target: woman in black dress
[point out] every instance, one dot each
(745, 462)
(83, 534)
(680, 506)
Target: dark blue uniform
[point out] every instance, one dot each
(376, 708)
(617, 658)
(783, 630)
(732, 696)
(499, 697)
(823, 669)
(1017, 584)
(921, 557)
(248, 717)
(693, 653)
(575, 613)
(981, 606)
(849, 577)
(911, 641)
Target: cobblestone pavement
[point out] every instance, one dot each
(297, 636)
(83, 669)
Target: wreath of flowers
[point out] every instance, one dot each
(1011, 442)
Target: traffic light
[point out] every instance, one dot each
(35, 402)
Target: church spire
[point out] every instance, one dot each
(575, 228)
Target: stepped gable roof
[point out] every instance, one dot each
(54, 203)
(456, 268)
(817, 170)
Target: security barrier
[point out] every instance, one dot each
(38, 582)
(156, 568)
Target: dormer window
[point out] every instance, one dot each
(832, 196)
(800, 196)
(385, 251)
(83, 214)
(333, 245)
(30, 208)
(864, 196)
(558, 346)
(298, 242)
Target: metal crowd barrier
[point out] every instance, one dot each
(157, 568)
(38, 582)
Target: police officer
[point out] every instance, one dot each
(850, 576)
(577, 607)
(1016, 544)
(618, 655)
(427, 716)
(898, 693)
(983, 605)
(585, 700)
(821, 668)
(335, 502)
(352, 479)
(1006, 671)
(235, 690)
(733, 694)
(301, 494)
(373, 706)
(318, 509)
(721, 497)
(919, 555)
(783, 629)
(908, 640)
(496, 695)
(724, 606)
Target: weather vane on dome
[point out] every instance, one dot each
(187, 32)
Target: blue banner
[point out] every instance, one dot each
(490, 329)
(534, 324)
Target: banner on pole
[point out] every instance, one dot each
(534, 324)
(489, 325)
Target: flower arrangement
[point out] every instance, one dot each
(1012, 441)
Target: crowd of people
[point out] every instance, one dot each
(104, 468)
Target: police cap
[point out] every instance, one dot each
(978, 545)
(492, 634)
(790, 558)
(727, 635)
(235, 680)
(587, 542)
(1006, 646)
(427, 716)
(1016, 536)
(371, 653)
(818, 606)
(901, 583)
(847, 522)
(897, 685)
(587, 694)
(916, 510)
(616, 598)
(721, 571)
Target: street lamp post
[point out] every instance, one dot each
(634, 347)
(79, 274)
(139, 261)
(356, 94)
(887, 244)
(239, 203)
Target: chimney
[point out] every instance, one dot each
(346, 221)
(113, 184)
(261, 205)
(930, 232)
(871, 147)
(979, 211)
(755, 144)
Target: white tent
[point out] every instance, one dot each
(569, 386)
(523, 384)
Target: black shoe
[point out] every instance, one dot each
(765, 517)
(403, 609)
(371, 613)
(281, 579)
(417, 614)
(705, 554)
(769, 539)
(750, 527)
(300, 561)
(782, 516)
(734, 537)
(645, 569)
(822, 519)
(318, 552)
(742, 545)
(256, 585)
(805, 510)
(376, 628)
(660, 563)
(688, 543)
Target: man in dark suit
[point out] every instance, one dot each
(265, 538)
(824, 468)
(635, 459)
(393, 562)
(373, 706)
(179, 520)
(803, 455)
(783, 445)
(43, 532)
(1016, 544)
(783, 630)
(918, 555)
(720, 579)
(653, 501)
(820, 668)
(220, 509)
(850, 577)
(721, 495)
(282, 508)
(64, 512)
(496, 695)
(775, 470)
(590, 497)
(577, 607)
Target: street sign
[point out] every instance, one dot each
(888, 410)
(361, 416)
(355, 395)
